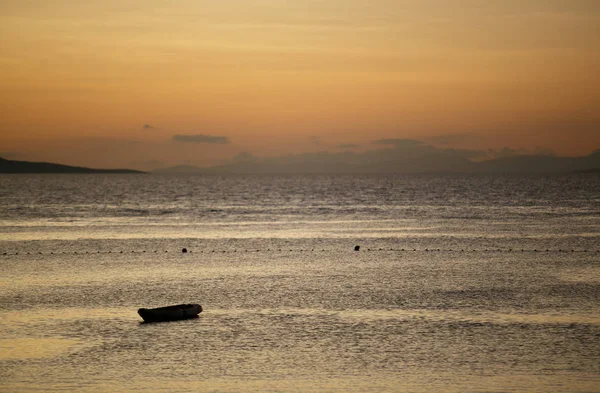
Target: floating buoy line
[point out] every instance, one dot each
(357, 250)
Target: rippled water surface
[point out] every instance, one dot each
(462, 283)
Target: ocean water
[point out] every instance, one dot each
(481, 283)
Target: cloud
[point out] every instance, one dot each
(148, 127)
(347, 146)
(200, 138)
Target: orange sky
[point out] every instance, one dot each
(79, 80)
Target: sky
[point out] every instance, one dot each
(150, 84)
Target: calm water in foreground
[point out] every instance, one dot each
(289, 306)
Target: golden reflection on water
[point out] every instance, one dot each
(402, 382)
(35, 348)
(483, 317)
(589, 274)
(432, 315)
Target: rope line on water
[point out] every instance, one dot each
(280, 250)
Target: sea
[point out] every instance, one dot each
(461, 283)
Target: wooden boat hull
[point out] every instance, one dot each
(170, 313)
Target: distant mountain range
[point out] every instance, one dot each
(375, 161)
(396, 161)
(11, 166)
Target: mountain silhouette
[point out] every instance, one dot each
(398, 161)
(12, 166)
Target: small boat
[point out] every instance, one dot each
(170, 313)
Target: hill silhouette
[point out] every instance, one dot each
(12, 166)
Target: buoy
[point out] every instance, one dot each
(184, 250)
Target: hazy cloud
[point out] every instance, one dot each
(148, 127)
(347, 146)
(200, 138)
